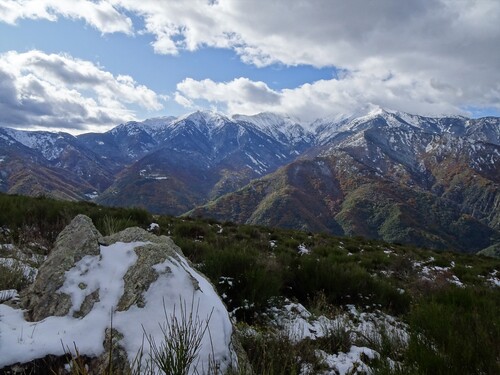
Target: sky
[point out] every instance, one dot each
(82, 65)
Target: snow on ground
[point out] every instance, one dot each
(295, 320)
(7, 247)
(177, 284)
(347, 363)
(299, 324)
(153, 226)
(14, 258)
(303, 250)
(28, 271)
(431, 273)
(8, 294)
(493, 279)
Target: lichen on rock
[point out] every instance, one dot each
(128, 284)
(78, 239)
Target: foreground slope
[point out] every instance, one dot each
(302, 302)
(93, 292)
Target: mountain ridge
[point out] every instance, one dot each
(194, 163)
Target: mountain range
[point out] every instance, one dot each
(383, 174)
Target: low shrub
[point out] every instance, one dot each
(12, 278)
(255, 279)
(191, 230)
(276, 354)
(343, 283)
(456, 330)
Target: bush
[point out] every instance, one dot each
(456, 330)
(276, 354)
(49, 216)
(254, 279)
(191, 230)
(343, 283)
(12, 278)
(181, 340)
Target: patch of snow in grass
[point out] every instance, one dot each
(456, 281)
(366, 331)
(298, 323)
(8, 294)
(303, 250)
(493, 279)
(348, 363)
(226, 280)
(431, 273)
(153, 226)
(7, 247)
(28, 272)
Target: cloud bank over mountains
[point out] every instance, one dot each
(425, 56)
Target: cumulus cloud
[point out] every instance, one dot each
(436, 54)
(324, 98)
(101, 15)
(59, 91)
(428, 57)
(238, 91)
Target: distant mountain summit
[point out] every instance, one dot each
(400, 177)
(431, 181)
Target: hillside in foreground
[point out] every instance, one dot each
(304, 302)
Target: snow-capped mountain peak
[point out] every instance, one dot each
(159, 122)
(213, 119)
(49, 144)
(284, 128)
(266, 120)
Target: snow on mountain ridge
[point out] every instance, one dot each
(284, 128)
(203, 117)
(287, 129)
(45, 142)
(268, 119)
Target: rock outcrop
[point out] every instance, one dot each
(113, 297)
(78, 239)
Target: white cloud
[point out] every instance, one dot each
(438, 54)
(238, 93)
(59, 91)
(101, 15)
(183, 101)
(428, 57)
(325, 97)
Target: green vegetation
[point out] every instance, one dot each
(278, 355)
(452, 329)
(456, 330)
(12, 278)
(42, 218)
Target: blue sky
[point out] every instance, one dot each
(80, 65)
